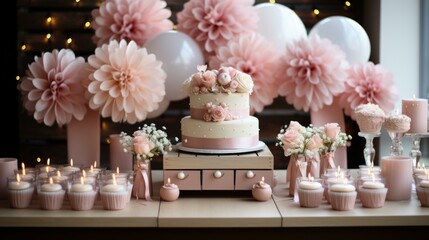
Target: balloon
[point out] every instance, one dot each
(279, 24)
(179, 55)
(346, 33)
(161, 109)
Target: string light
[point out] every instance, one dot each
(69, 41)
(17, 78)
(48, 37)
(347, 5)
(49, 20)
(87, 25)
(23, 47)
(316, 12)
(38, 159)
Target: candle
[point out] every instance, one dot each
(261, 191)
(417, 110)
(373, 185)
(113, 187)
(398, 175)
(59, 177)
(51, 186)
(18, 184)
(342, 187)
(309, 184)
(81, 187)
(70, 168)
(169, 191)
(25, 175)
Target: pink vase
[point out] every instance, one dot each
(297, 167)
(326, 162)
(332, 114)
(119, 158)
(83, 139)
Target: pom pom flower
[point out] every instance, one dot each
(313, 72)
(53, 90)
(368, 83)
(252, 54)
(130, 20)
(125, 81)
(212, 23)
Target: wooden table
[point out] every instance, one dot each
(205, 212)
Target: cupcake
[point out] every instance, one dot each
(310, 193)
(369, 117)
(51, 193)
(342, 196)
(20, 192)
(82, 195)
(422, 191)
(372, 194)
(261, 191)
(114, 196)
(397, 123)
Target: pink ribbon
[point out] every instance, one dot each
(312, 167)
(141, 181)
(327, 162)
(302, 166)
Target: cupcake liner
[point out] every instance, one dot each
(423, 196)
(372, 198)
(342, 201)
(20, 198)
(81, 201)
(114, 200)
(51, 200)
(310, 198)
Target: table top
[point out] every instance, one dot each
(201, 209)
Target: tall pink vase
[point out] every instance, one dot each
(7, 168)
(83, 139)
(332, 114)
(118, 158)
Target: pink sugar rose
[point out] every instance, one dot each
(332, 130)
(233, 84)
(209, 79)
(141, 145)
(219, 114)
(314, 143)
(292, 139)
(197, 79)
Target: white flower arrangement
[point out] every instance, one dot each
(332, 137)
(146, 142)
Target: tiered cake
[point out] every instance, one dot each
(219, 110)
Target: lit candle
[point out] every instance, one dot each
(372, 184)
(113, 187)
(18, 184)
(70, 169)
(417, 110)
(169, 191)
(51, 186)
(24, 175)
(309, 184)
(81, 187)
(342, 187)
(261, 191)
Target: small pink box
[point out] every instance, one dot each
(184, 179)
(218, 179)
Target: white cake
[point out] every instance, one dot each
(219, 110)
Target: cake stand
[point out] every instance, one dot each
(415, 152)
(257, 147)
(396, 148)
(369, 151)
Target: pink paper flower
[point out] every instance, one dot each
(53, 90)
(254, 55)
(212, 23)
(125, 81)
(313, 72)
(368, 83)
(130, 20)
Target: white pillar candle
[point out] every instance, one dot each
(15, 185)
(417, 110)
(51, 187)
(79, 187)
(372, 185)
(341, 187)
(309, 185)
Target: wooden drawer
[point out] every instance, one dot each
(218, 179)
(243, 181)
(191, 178)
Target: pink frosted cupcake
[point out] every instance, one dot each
(20, 192)
(397, 123)
(310, 193)
(372, 194)
(51, 193)
(82, 196)
(114, 196)
(342, 196)
(422, 191)
(370, 117)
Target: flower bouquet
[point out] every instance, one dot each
(144, 144)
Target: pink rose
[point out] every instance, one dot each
(197, 79)
(294, 125)
(209, 79)
(314, 143)
(219, 114)
(233, 84)
(141, 145)
(332, 130)
(292, 139)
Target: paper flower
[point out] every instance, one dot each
(252, 54)
(125, 81)
(212, 23)
(130, 20)
(146, 142)
(368, 83)
(313, 72)
(53, 90)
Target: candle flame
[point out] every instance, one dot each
(23, 168)
(83, 173)
(81, 180)
(91, 169)
(47, 169)
(114, 179)
(263, 179)
(117, 170)
(71, 162)
(18, 178)
(51, 181)
(48, 161)
(168, 180)
(95, 164)
(58, 173)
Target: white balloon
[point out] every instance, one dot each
(279, 24)
(179, 55)
(160, 110)
(346, 33)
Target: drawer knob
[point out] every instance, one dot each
(181, 175)
(250, 174)
(217, 174)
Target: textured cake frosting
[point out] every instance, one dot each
(219, 102)
(370, 117)
(399, 123)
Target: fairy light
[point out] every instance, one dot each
(347, 3)
(87, 25)
(38, 159)
(48, 37)
(23, 47)
(48, 20)
(316, 12)
(18, 78)
(69, 42)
